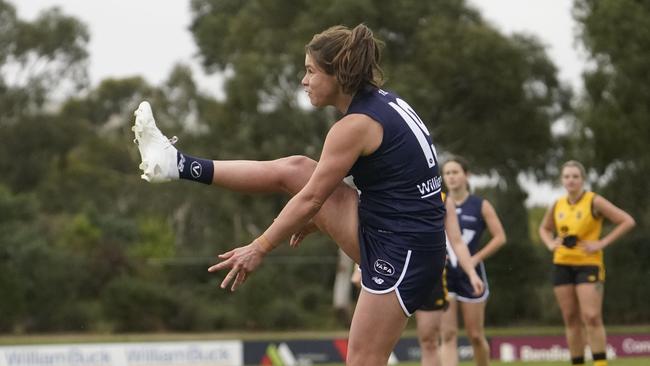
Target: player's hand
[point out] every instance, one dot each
(557, 242)
(590, 247)
(241, 261)
(477, 284)
(298, 237)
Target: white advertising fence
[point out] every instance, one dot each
(291, 352)
(212, 353)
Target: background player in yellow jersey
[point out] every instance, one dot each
(571, 230)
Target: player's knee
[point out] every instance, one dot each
(572, 319)
(429, 345)
(475, 337)
(300, 162)
(592, 319)
(360, 355)
(295, 167)
(429, 341)
(449, 335)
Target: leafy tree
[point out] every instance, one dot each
(16, 212)
(613, 128)
(71, 200)
(37, 59)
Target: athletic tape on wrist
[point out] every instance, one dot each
(264, 243)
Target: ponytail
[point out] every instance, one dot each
(352, 56)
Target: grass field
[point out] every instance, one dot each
(11, 339)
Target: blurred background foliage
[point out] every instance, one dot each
(86, 245)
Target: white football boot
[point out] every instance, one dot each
(156, 150)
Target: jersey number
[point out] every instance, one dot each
(418, 128)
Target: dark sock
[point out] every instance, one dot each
(196, 169)
(600, 359)
(578, 360)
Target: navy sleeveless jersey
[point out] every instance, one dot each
(399, 182)
(471, 222)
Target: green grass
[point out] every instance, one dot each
(28, 339)
(12, 339)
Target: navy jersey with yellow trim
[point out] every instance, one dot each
(400, 183)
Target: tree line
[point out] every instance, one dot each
(85, 245)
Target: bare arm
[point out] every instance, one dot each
(623, 221)
(347, 140)
(496, 231)
(452, 229)
(546, 229)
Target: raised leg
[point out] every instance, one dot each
(338, 217)
(161, 162)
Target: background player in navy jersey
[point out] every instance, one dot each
(571, 229)
(394, 228)
(474, 215)
(429, 315)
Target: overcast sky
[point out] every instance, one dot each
(146, 37)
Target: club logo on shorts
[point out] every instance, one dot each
(378, 280)
(591, 278)
(383, 267)
(195, 169)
